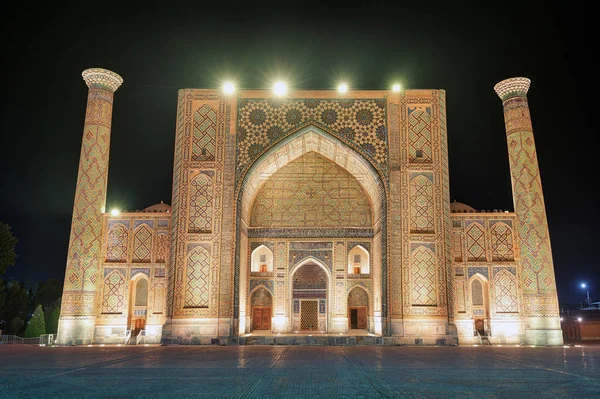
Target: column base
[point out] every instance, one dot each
(75, 330)
(339, 325)
(199, 331)
(420, 331)
(543, 331)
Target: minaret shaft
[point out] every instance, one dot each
(83, 259)
(540, 302)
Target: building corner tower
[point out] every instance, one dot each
(78, 308)
(540, 301)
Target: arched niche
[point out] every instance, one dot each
(314, 288)
(479, 300)
(358, 309)
(138, 303)
(261, 260)
(358, 261)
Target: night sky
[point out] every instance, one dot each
(160, 48)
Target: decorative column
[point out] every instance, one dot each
(76, 323)
(540, 299)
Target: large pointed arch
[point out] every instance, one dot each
(305, 140)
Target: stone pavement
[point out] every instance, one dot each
(299, 372)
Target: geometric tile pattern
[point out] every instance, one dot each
(460, 296)
(116, 247)
(360, 123)
(197, 217)
(112, 301)
(198, 270)
(421, 204)
(476, 242)
(421, 119)
(159, 298)
(423, 276)
(502, 242)
(205, 132)
(457, 247)
(420, 135)
(261, 297)
(506, 292)
(201, 203)
(311, 191)
(142, 244)
(358, 297)
(162, 248)
(483, 270)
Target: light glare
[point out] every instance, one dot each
(228, 88)
(343, 88)
(396, 87)
(115, 212)
(280, 88)
(583, 285)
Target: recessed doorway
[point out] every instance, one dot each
(358, 317)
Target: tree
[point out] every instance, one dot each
(52, 321)
(15, 326)
(8, 243)
(3, 289)
(48, 293)
(36, 325)
(16, 301)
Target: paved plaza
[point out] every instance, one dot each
(299, 371)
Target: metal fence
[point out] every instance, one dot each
(45, 340)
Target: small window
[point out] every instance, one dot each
(203, 151)
(263, 258)
(419, 154)
(263, 268)
(357, 258)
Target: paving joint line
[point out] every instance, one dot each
(540, 367)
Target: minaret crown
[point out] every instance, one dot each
(102, 77)
(513, 87)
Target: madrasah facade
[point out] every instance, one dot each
(309, 213)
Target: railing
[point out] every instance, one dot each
(479, 336)
(127, 336)
(16, 340)
(482, 338)
(47, 339)
(141, 337)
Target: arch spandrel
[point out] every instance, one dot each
(360, 123)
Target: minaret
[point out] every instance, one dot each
(77, 315)
(540, 301)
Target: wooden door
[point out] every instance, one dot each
(358, 317)
(138, 325)
(362, 318)
(353, 319)
(261, 318)
(479, 326)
